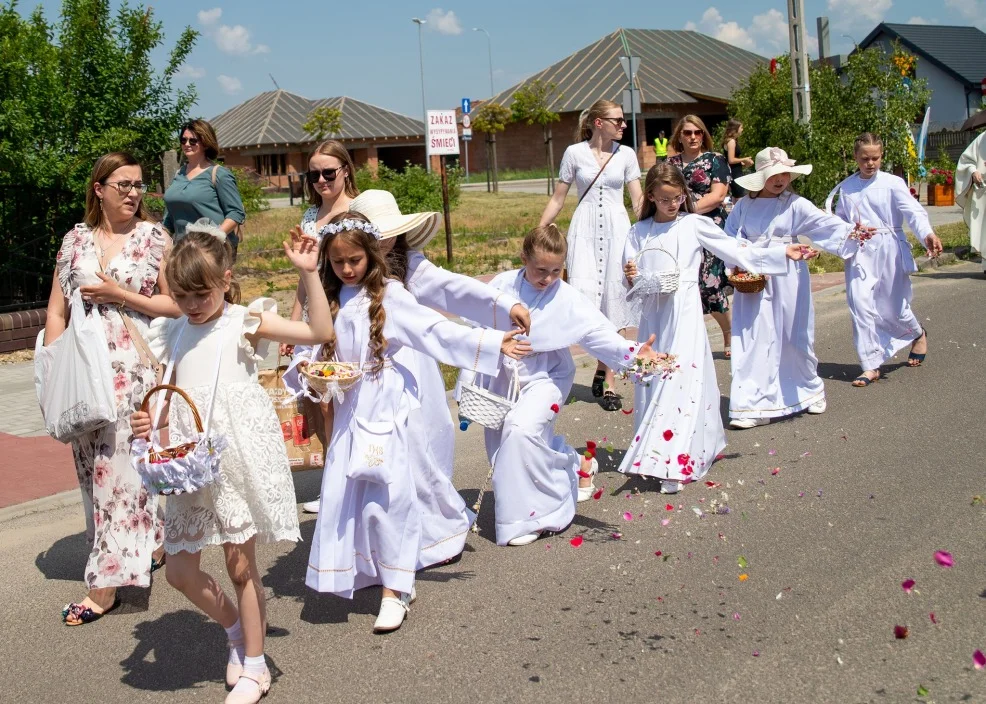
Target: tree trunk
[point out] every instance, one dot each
(496, 177)
(489, 166)
(550, 154)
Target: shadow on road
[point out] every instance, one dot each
(65, 559)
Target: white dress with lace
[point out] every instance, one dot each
(255, 493)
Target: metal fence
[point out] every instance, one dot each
(32, 224)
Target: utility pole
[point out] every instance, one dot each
(424, 105)
(801, 93)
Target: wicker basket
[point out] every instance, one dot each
(156, 455)
(667, 280)
(748, 283)
(486, 408)
(321, 376)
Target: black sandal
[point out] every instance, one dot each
(914, 357)
(611, 402)
(598, 383)
(865, 381)
(84, 614)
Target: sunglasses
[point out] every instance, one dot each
(190, 141)
(617, 121)
(692, 133)
(328, 174)
(124, 187)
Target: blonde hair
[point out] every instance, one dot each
(101, 170)
(546, 238)
(697, 121)
(199, 262)
(332, 147)
(205, 134)
(588, 118)
(663, 174)
(867, 139)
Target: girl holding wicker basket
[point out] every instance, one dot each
(368, 530)
(537, 476)
(775, 371)
(662, 258)
(252, 498)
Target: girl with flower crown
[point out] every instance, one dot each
(368, 528)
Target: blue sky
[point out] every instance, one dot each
(369, 50)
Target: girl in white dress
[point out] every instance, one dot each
(878, 277)
(677, 425)
(600, 168)
(368, 530)
(253, 500)
(536, 473)
(774, 364)
(445, 520)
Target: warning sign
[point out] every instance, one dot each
(443, 133)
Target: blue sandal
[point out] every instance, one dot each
(865, 381)
(84, 614)
(913, 356)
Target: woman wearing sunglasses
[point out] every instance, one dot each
(599, 167)
(202, 188)
(707, 176)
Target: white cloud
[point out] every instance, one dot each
(972, 11)
(229, 84)
(187, 71)
(767, 34)
(918, 20)
(235, 40)
(444, 22)
(850, 13)
(210, 17)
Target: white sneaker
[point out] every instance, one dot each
(524, 539)
(670, 486)
(586, 492)
(817, 407)
(312, 506)
(745, 423)
(392, 613)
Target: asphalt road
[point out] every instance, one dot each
(864, 496)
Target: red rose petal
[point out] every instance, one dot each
(907, 585)
(668, 434)
(598, 495)
(590, 445)
(555, 408)
(933, 618)
(658, 553)
(576, 541)
(901, 632)
(626, 412)
(668, 507)
(978, 660)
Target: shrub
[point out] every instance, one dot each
(414, 188)
(941, 171)
(251, 191)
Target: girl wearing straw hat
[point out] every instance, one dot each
(774, 364)
(445, 520)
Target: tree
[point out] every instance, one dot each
(875, 92)
(533, 104)
(84, 87)
(323, 122)
(489, 119)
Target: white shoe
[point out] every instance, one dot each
(817, 407)
(311, 506)
(233, 670)
(250, 695)
(670, 486)
(745, 423)
(586, 492)
(524, 539)
(392, 613)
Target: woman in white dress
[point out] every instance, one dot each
(878, 276)
(445, 520)
(677, 424)
(537, 476)
(600, 168)
(970, 193)
(775, 371)
(368, 530)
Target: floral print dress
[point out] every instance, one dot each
(123, 522)
(701, 174)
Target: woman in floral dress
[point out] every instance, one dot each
(707, 175)
(115, 258)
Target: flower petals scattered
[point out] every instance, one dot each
(598, 495)
(944, 558)
(576, 541)
(627, 516)
(907, 585)
(978, 660)
(555, 408)
(668, 434)
(901, 632)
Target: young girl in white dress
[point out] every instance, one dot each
(774, 364)
(600, 167)
(677, 425)
(253, 500)
(368, 530)
(878, 277)
(537, 475)
(445, 519)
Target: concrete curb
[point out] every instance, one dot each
(54, 502)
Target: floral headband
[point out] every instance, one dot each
(349, 224)
(208, 227)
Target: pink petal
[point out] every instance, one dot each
(627, 516)
(736, 617)
(771, 452)
(944, 558)
(616, 536)
(576, 541)
(907, 585)
(978, 660)
(756, 653)
(934, 620)
(665, 521)
(901, 632)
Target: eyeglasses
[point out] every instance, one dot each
(124, 187)
(692, 133)
(328, 174)
(667, 202)
(617, 121)
(190, 141)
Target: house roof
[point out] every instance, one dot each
(676, 66)
(276, 117)
(959, 51)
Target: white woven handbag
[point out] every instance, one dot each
(484, 407)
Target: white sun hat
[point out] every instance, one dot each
(380, 208)
(770, 162)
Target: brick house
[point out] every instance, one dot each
(265, 134)
(681, 72)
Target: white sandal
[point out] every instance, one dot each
(586, 492)
(254, 696)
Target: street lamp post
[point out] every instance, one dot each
(489, 47)
(424, 104)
